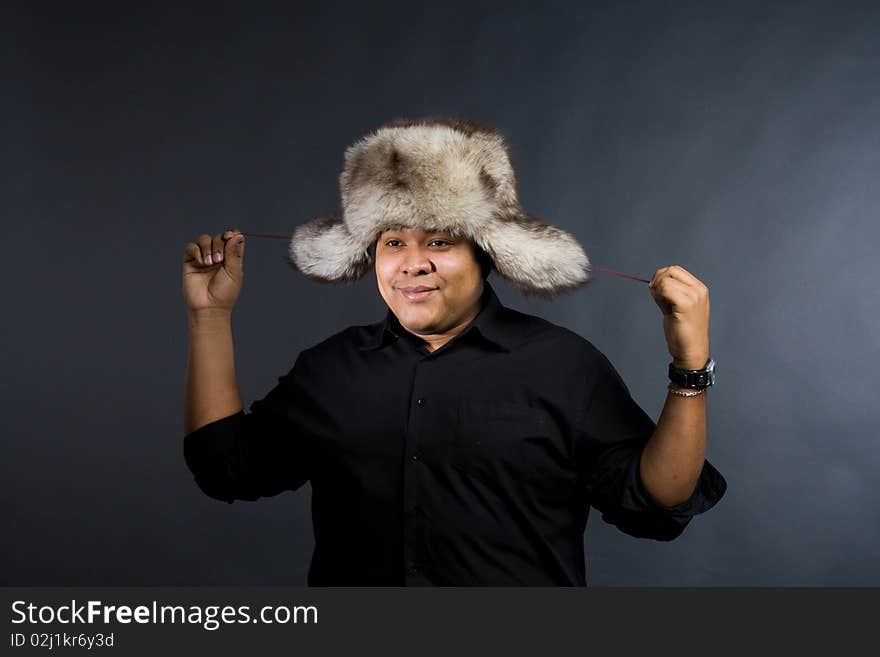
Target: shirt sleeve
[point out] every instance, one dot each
(262, 453)
(612, 432)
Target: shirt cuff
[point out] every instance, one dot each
(208, 446)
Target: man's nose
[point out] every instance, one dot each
(417, 261)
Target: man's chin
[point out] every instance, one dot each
(418, 322)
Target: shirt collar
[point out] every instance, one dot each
(488, 324)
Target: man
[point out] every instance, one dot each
(457, 441)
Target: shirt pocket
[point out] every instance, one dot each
(505, 444)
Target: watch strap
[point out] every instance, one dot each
(694, 379)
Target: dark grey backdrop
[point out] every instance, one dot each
(740, 141)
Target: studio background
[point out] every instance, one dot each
(739, 140)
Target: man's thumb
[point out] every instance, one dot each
(235, 252)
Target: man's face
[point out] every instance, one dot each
(411, 259)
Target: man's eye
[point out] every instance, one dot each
(394, 243)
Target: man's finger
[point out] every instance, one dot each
(219, 247)
(672, 290)
(680, 273)
(192, 253)
(657, 275)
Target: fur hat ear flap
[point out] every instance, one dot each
(535, 257)
(325, 251)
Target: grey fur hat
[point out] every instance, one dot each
(437, 173)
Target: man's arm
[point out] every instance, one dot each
(210, 288)
(673, 458)
(211, 388)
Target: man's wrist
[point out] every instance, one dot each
(209, 319)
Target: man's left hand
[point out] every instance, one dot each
(684, 301)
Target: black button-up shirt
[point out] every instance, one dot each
(475, 464)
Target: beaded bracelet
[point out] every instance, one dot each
(682, 393)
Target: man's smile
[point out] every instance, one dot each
(417, 292)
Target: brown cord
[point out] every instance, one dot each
(589, 267)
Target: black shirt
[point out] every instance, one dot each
(475, 464)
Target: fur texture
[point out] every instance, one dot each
(437, 173)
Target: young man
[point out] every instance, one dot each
(457, 441)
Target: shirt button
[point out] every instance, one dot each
(421, 402)
(415, 457)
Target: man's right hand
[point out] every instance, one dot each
(212, 284)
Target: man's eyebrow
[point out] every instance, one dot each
(388, 234)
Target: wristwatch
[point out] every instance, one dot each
(694, 379)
